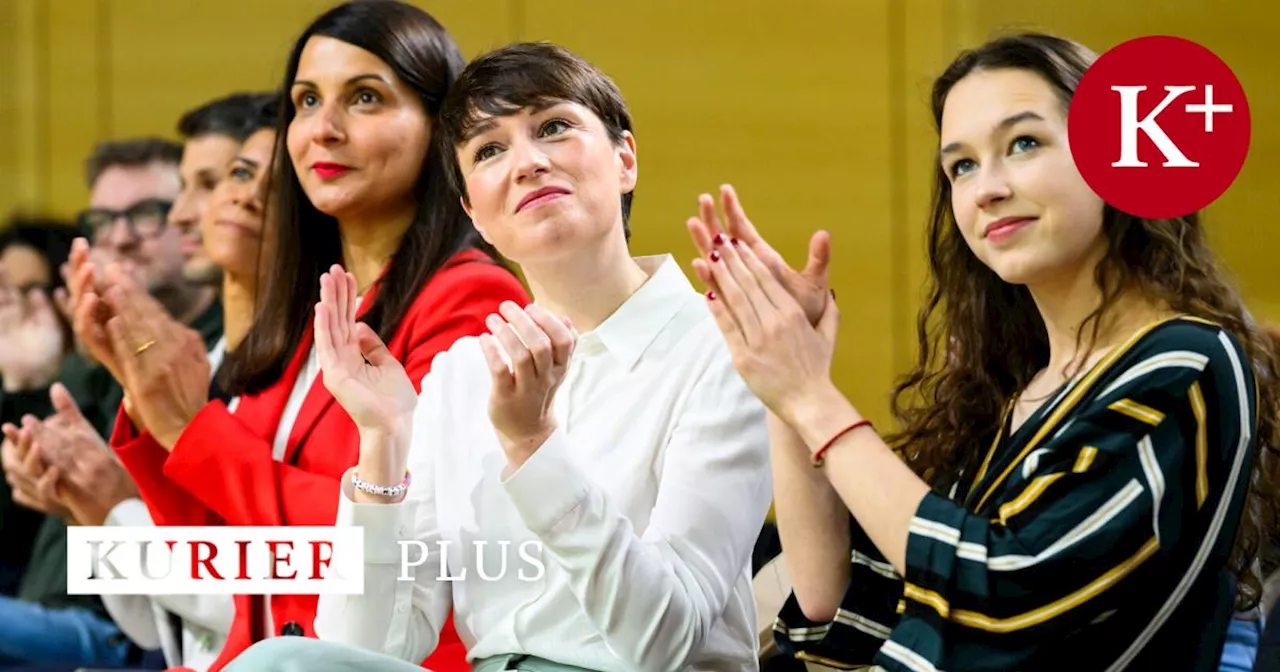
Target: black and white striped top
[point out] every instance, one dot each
(1092, 538)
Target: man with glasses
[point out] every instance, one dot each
(133, 187)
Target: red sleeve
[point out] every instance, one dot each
(231, 469)
(144, 459)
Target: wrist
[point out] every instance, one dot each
(813, 410)
(519, 448)
(384, 452)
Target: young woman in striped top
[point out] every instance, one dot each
(1071, 485)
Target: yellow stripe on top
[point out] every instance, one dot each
(1084, 459)
(1202, 443)
(1029, 495)
(995, 443)
(1138, 411)
(1070, 402)
(1056, 608)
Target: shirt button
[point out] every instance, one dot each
(401, 608)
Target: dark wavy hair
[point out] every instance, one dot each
(424, 56)
(981, 340)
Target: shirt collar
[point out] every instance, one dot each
(632, 328)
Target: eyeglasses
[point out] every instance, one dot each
(146, 219)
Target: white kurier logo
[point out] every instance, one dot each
(1158, 127)
(1130, 125)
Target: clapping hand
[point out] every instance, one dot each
(34, 484)
(780, 351)
(92, 479)
(365, 379)
(810, 286)
(528, 352)
(356, 366)
(162, 364)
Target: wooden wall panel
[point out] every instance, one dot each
(790, 106)
(817, 111)
(22, 163)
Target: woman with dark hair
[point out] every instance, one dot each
(594, 465)
(360, 184)
(1071, 485)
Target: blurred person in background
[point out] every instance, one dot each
(95, 487)
(212, 135)
(133, 184)
(132, 221)
(361, 183)
(32, 250)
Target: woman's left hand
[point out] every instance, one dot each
(780, 355)
(164, 365)
(528, 353)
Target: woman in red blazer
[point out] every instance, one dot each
(360, 183)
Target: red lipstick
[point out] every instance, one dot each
(330, 171)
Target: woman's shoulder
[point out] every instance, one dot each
(1175, 354)
(469, 286)
(473, 273)
(1195, 340)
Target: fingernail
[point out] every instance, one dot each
(733, 241)
(711, 296)
(718, 240)
(715, 256)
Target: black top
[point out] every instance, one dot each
(1093, 538)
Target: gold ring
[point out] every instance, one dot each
(143, 348)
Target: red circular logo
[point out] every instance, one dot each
(1159, 127)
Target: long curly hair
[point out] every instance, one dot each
(981, 340)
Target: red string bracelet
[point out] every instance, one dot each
(817, 456)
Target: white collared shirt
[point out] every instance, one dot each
(647, 501)
(206, 619)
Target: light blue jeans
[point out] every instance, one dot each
(1241, 646)
(37, 635)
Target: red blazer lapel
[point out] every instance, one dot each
(314, 405)
(318, 398)
(261, 412)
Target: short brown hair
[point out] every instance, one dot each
(130, 153)
(533, 75)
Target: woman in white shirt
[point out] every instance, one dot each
(588, 500)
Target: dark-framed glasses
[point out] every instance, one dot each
(146, 219)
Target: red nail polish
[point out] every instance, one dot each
(715, 256)
(733, 241)
(718, 240)
(711, 295)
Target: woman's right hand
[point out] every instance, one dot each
(810, 287)
(83, 303)
(362, 375)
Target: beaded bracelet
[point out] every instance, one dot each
(384, 490)
(817, 457)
